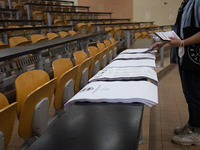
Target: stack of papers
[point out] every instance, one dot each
(128, 78)
(132, 63)
(141, 50)
(135, 56)
(126, 74)
(117, 91)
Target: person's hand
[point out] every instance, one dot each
(158, 45)
(175, 42)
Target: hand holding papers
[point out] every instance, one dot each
(165, 35)
(117, 91)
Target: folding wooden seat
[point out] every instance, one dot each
(63, 34)
(110, 50)
(92, 28)
(18, 41)
(138, 35)
(3, 46)
(7, 119)
(111, 31)
(65, 73)
(34, 91)
(4, 3)
(72, 32)
(38, 15)
(20, 7)
(117, 33)
(79, 57)
(58, 22)
(96, 60)
(52, 36)
(15, 33)
(105, 52)
(38, 38)
(145, 35)
(82, 76)
(82, 28)
(114, 44)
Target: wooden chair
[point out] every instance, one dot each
(66, 76)
(145, 35)
(117, 33)
(96, 60)
(111, 31)
(15, 32)
(58, 22)
(72, 32)
(3, 101)
(3, 46)
(38, 15)
(3, 3)
(110, 50)
(91, 28)
(79, 57)
(18, 41)
(63, 34)
(102, 48)
(138, 35)
(34, 91)
(82, 74)
(82, 28)
(114, 44)
(7, 119)
(38, 38)
(52, 36)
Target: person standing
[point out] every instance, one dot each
(186, 52)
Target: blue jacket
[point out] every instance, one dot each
(192, 5)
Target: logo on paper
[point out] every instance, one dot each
(87, 89)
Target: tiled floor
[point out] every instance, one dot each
(169, 113)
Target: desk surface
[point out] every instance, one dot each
(94, 126)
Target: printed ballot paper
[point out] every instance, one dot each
(165, 35)
(132, 63)
(135, 56)
(117, 91)
(141, 50)
(126, 74)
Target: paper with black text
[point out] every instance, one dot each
(135, 56)
(117, 92)
(165, 35)
(141, 50)
(132, 63)
(126, 74)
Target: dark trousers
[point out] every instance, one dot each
(191, 89)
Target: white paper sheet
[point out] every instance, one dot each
(129, 73)
(141, 50)
(117, 91)
(165, 35)
(132, 63)
(135, 56)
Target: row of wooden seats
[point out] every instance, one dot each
(20, 40)
(35, 89)
(118, 33)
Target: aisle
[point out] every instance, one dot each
(169, 113)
